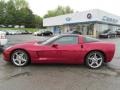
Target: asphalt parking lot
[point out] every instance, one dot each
(59, 77)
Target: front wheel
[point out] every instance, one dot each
(94, 59)
(20, 58)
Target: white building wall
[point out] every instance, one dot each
(97, 15)
(107, 17)
(74, 18)
(102, 21)
(50, 29)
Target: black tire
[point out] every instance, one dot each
(18, 60)
(92, 60)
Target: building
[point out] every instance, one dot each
(91, 22)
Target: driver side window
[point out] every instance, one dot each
(67, 40)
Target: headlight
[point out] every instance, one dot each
(8, 47)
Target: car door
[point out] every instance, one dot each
(48, 53)
(68, 49)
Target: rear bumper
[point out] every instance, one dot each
(110, 53)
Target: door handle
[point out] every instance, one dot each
(81, 46)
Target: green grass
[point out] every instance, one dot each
(28, 29)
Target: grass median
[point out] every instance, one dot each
(28, 29)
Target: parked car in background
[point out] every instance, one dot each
(118, 32)
(108, 34)
(6, 33)
(43, 33)
(25, 32)
(37, 32)
(3, 40)
(76, 32)
(46, 33)
(11, 32)
(73, 32)
(18, 32)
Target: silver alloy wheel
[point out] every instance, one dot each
(95, 59)
(19, 58)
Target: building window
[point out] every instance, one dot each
(90, 29)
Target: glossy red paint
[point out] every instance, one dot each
(67, 54)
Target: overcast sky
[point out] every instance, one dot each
(40, 7)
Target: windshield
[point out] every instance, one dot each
(47, 41)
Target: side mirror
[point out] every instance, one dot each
(55, 45)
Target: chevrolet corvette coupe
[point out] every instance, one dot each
(63, 49)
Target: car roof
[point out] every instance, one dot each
(69, 35)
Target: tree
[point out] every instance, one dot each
(19, 4)
(10, 13)
(38, 22)
(2, 11)
(17, 12)
(29, 18)
(68, 10)
(58, 11)
(22, 12)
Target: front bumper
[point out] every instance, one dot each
(6, 56)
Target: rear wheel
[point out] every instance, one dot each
(94, 59)
(20, 58)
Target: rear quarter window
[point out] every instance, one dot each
(90, 39)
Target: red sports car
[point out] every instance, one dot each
(65, 49)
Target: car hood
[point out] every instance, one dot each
(28, 43)
(32, 42)
(25, 45)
